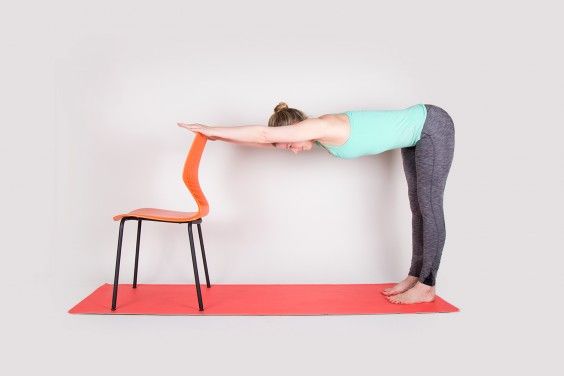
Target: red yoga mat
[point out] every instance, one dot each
(246, 299)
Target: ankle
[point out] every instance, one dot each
(423, 287)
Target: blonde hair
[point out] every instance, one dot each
(284, 115)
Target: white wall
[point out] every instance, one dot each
(91, 94)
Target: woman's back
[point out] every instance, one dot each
(376, 131)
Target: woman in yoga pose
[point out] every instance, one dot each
(425, 135)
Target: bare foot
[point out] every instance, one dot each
(420, 293)
(404, 285)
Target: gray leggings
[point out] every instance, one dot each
(426, 166)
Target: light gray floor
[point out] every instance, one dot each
(497, 334)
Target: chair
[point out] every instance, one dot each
(190, 177)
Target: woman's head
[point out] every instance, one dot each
(282, 116)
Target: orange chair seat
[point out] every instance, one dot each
(161, 215)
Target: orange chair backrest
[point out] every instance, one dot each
(190, 173)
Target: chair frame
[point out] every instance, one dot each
(190, 178)
(137, 246)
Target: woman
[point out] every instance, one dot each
(425, 134)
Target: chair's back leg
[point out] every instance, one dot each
(137, 253)
(195, 265)
(203, 255)
(118, 258)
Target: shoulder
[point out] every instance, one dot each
(337, 128)
(340, 120)
(334, 118)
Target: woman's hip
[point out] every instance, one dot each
(438, 121)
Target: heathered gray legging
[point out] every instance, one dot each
(426, 166)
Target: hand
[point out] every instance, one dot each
(200, 128)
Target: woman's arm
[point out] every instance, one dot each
(305, 130)
(242, 133)
(255, 144)
(308, 129)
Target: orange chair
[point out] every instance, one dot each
(190, 177)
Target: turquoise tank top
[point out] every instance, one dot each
(376, 131)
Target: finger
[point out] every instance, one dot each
(186, 126)
(189, 129)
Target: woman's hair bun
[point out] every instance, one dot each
(284, 115)
(280, 106)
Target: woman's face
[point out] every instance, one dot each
(294, 147)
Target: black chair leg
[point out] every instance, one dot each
(195, 265)
(204, 255)
(137, 253)
(118, 258)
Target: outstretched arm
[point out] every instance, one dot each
(244, 133)
(255, 144)
(308, 129)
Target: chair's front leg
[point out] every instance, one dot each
(137, 253)
(204, 255)
(195, 265)
(118, 258)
